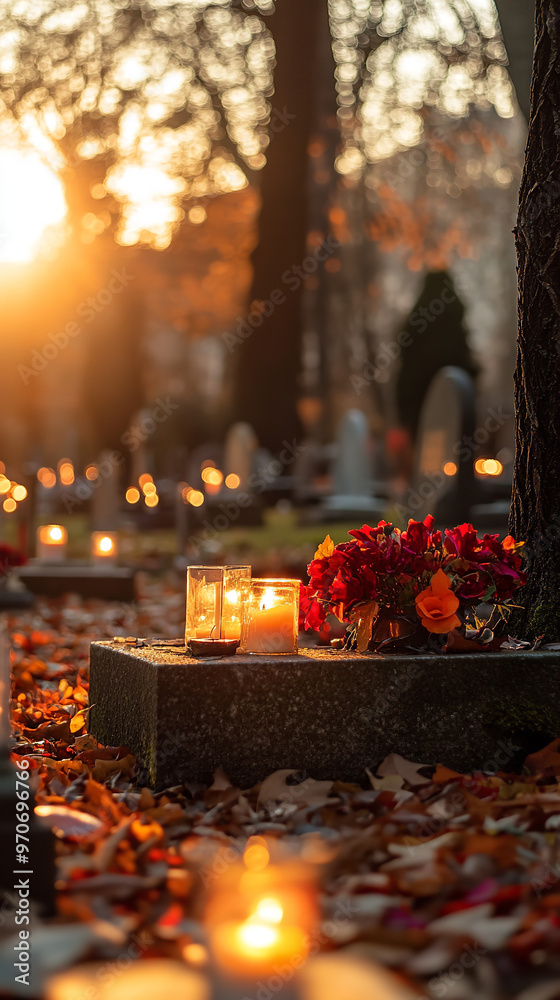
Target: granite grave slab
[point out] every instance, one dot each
(327, 714)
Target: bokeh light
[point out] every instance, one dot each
(195, 498)
(488, 467)
(47, 477)
(66, 472)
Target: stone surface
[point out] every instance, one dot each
(327, 714)
(108, 583)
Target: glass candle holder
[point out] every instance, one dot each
(270, 622)
(260, 913)
(104, 547)
(216, 597)
(51, 543)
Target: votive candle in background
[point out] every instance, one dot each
(51, 543)
(104, 547)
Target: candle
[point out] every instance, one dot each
(215, 601)
(141, 980)
(254, 947)
(104, 547)
(271, 624)
(271, 630)
(260, 915)
(51, 543)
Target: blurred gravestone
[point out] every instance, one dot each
(352, 471)
(443, 476)
(239, 450)
(181, 518)
(106, 494)
(135, 439)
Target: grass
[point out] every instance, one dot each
(281, 532)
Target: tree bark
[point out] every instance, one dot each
(535, 511)
(269, 359)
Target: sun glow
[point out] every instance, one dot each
(32, 202)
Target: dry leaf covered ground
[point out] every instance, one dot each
(451, 880)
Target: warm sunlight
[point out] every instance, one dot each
(31, 201)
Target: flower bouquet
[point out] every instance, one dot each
(417, 588)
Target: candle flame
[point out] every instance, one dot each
(269, 911)
(232, 596)
(257, 936)
(106, 544)
(269, 599)
(55, 533)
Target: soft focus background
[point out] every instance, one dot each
(287, 217)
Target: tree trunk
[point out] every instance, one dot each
(535, 512)
(269, 353)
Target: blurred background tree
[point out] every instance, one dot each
(157, 119)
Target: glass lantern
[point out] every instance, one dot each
(215, 599)
(270, 622)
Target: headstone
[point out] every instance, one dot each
(181, 518)
(106, 494)
(141, 458)
(443, 475)
(239, 449)
(352, 471)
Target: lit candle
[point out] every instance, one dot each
(142, 980)
(104, 547)
(272, 617)
(51, 543)
(260, 915)
(254, 947)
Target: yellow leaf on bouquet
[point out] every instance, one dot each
(325, 549)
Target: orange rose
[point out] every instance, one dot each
(437, 604)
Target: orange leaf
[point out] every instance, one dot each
(78, 722)
(364, 616)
